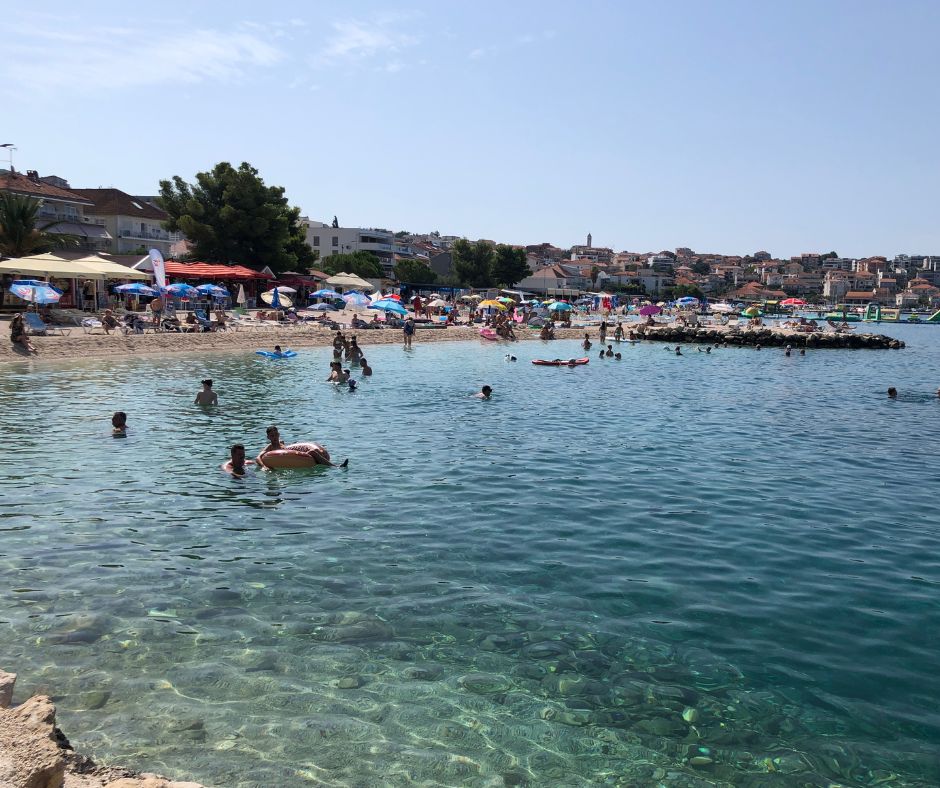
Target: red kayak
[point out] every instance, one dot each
(558, 362)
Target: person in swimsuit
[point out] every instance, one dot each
(207, 396)
(237, 461)
(18, 334)
(409, 331)
(485, 393)
(364, 368)
(586, 344)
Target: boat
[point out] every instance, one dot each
(560, 362)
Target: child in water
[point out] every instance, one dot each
(119, 424)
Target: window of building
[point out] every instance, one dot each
(335, 240)
(316, 240)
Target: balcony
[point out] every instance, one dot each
(146, 235)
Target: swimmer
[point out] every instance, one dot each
(274, 443)
(510, 357)
(236, 464)
(572, 362)
(601, 354)
(352, 385)
(485, 393)
(787, 351)
(207, 396)
(893, 393)
(364, 368)
(678, 350)
(617, 357)
(708, 349)
(756, 347)
(610, 351)
(119, 424)
(586, 344)
(802, 351)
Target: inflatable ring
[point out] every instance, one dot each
(285, 458)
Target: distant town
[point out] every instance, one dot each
(124, 226)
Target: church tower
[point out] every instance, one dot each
(589, 241)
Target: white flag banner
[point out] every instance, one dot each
(159, 269)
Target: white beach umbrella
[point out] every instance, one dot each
(242, 298)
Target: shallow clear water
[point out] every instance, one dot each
(596, 577)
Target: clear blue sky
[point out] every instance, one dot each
(724, 126)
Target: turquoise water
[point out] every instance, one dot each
(707, 570)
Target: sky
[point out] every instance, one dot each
(726, 126)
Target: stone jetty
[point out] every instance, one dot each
(35, 754)
(766, 336)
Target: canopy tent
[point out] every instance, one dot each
(342, 279)
(212, 271)
(113, 270)
(50, 265)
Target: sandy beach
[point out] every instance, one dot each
(80, 345)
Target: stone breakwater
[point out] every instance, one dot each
(35, 754)
(769, 337)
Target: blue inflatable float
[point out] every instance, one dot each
(272, 354)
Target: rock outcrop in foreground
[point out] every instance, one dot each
(35, 754)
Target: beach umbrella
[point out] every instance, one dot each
(35, 291)
(136, 289)
(388, 305)
(215, 291)
(323, 308)
(393, 296)
(325, 292)
(752, 311)
(721, 308)
(241, 298)
(182, 290)
(357, 299)
(276, 300)
(505, 300)
(437, 302)
(649, 310)
(793, 302)
(284, 289)
(491, 303)
(560, 306)
(687, 300)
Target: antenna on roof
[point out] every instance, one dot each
(10, 148)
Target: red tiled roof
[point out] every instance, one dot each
(114, 202)
(20, 184)
(212, 271)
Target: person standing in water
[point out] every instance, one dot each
(119, 424)
(603, 332)
(409, 331)
(207, 396)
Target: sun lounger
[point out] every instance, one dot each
(90, 324)
(36, 326)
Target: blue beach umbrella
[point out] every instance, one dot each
(389, 305)
(275, 300)
(215, 291)
(686, 300)
(560, 306)
(182, 290)
(325, 293)
(136, 288)
(35, 291)
(357, 299)
(323, 308)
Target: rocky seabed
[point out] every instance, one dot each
(35, 754)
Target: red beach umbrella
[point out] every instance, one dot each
(793, 302)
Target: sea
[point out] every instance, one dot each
(714, 569)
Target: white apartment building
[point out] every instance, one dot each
(329, 240)
(133, 224)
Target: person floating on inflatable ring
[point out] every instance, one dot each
(318, 454)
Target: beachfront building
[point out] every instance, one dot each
(64, 208)
(548, 280)
(329, 240)
(133, 224)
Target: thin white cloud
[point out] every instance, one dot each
(42, 57)
(354, 41)
(476, 54)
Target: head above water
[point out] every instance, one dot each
(207, 383)
(119, 419)
(277, 348)
(238, 454)
(892, 392)
(272, 433)
(486, 391)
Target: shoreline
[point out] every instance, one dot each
(34, 752)
(87, 346)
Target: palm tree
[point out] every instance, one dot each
(19, 234)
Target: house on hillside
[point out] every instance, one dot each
(134, 224)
